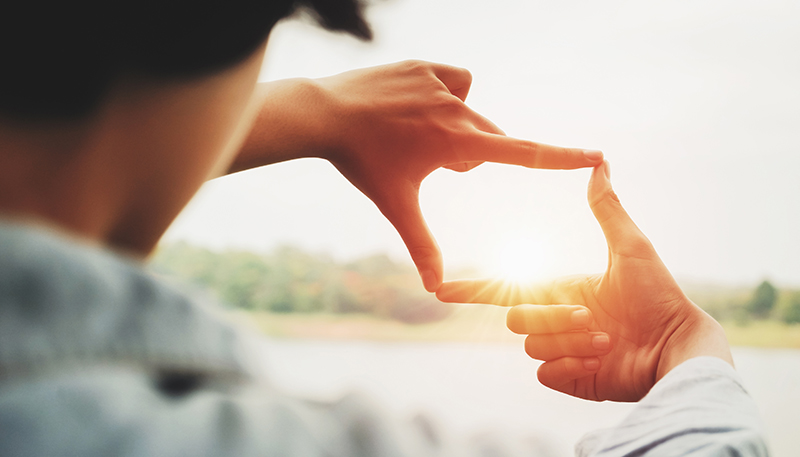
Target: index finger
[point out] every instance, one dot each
(493, 292)
(567, 290)
(513, 151)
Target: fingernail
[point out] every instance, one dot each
(581, 318)
(591, 364)
(601, 342)
(607, 169)
(429, 280)
(593, 155)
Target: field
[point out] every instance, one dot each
(467, 324)
(763, 334)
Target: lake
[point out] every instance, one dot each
(471, 388)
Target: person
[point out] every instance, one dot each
(630, 334)
(111, 118)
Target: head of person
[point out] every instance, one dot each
(99, 98)
(60, 60)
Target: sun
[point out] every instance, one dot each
(521, 259)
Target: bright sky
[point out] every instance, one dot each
(695, 103)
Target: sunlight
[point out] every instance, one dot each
(521, 259)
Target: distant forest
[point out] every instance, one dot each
(744, 304)
(289, 280)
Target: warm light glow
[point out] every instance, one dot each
(521, 259)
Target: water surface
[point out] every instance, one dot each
(473, 388)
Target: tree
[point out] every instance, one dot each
(240, 279)
(763, 300)
(291, 280)
(194, 264)
(790, 312)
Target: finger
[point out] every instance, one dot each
(457, 80)
(406, 216)
(542, 319)
(485, 125)
(568, 290)
(571, 344)
(622, 234)
(561, 374)
(462, 166)
(513, 151)
(493, 291)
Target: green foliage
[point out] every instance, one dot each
(721, 302)
(744, 305)
(763, 301)
(239, 279)
(291, 280)
(193, 264)
(789, 307)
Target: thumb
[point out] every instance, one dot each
(406, 216)
(622, 234)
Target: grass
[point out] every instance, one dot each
(474, 323)
(765, 334)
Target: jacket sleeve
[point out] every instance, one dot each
(700, 408)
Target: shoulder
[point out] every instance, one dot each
(115, 410)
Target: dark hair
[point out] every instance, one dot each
(59, 59)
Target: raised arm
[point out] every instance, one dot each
(385, 129)
(641, 324)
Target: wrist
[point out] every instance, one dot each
(291, 123)
(697, 335)
(316, 114)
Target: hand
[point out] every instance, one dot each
(609, 336)
(385, 129)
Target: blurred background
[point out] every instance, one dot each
(695, 103)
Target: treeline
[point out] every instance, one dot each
(765, 302)
(291, 280)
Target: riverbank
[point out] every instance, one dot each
(467, 324)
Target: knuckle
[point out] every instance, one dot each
(603, 197)
(561, 155)
(415, 65)
(421, 252)
(573, 364)
(610, 195)
(446, 102)
(638, 244)
(545, 322)
(533, 150)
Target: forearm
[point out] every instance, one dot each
(291, 124)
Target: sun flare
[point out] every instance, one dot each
(521, 259)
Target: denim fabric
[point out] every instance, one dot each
(700, 408)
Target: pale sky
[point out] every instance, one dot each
(695, 103)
